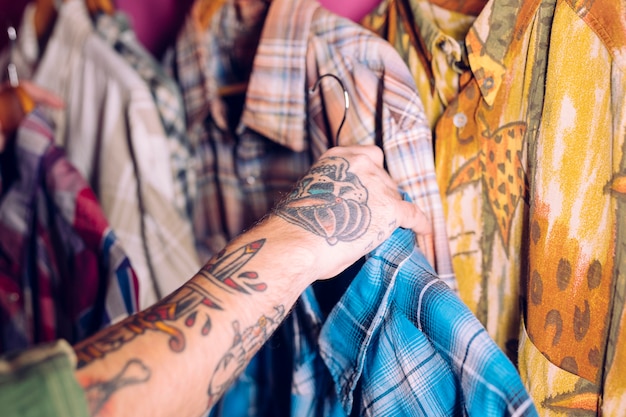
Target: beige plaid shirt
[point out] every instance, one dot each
(112, 133)
(282, 128)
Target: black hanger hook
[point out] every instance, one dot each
(346, 99)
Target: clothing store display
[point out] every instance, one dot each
(40, 382)
(503, 121)
(112, 132)
(248, 162)
(399, 342)
(63, 273)
(530, 162)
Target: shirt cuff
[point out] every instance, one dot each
(40, 382)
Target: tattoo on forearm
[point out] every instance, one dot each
(98, 393)
(245, 345)
(330, 201)
(192, 302)
(226, 266)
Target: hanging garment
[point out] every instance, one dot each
(156, 23)
(112, 132)
(399, 342)
(430, 39)
(116, 30)
(530, 162)
(63, 273)
(248, 162)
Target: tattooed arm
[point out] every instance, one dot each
(180, 355)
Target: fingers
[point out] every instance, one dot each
(351, 202)
(379, 182)
(373, 152)
(411, 217)
(40, 95)
(17, 102)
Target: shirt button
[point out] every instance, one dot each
(250, 179)
(459, 120)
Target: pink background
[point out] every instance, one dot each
(156, 21)
(155, 31)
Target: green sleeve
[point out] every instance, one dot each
(40, 382)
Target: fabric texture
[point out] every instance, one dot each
(63, 273)
(530, 163)
(116, 30)
(398, 343)
(40, 382)
(251, 148)
(112, 132)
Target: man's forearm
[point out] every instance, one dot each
(178, 357)
(207, 331)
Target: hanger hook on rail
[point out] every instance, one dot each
(14, 80)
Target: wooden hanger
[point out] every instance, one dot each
(204, 10)
(232, 89)
(100, 6)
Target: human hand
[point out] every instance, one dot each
(17, 102)
(349, 205)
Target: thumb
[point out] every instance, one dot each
(40, 95)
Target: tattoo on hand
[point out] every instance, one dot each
(330, 201)
(190, 302)
(245, 344)
(98, 393)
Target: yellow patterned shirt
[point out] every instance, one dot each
(528, 107)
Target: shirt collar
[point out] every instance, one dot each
(487, 44)
(275, 104)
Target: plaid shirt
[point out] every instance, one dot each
(245, 165)
(40, 382)
(63, 273)
(112, 132)
(117, 32)
(399, 342)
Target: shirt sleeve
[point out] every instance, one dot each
(40, 382)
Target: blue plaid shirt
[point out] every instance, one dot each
(399, 342)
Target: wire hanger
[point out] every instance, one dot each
(346, 99)
(26, 101)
